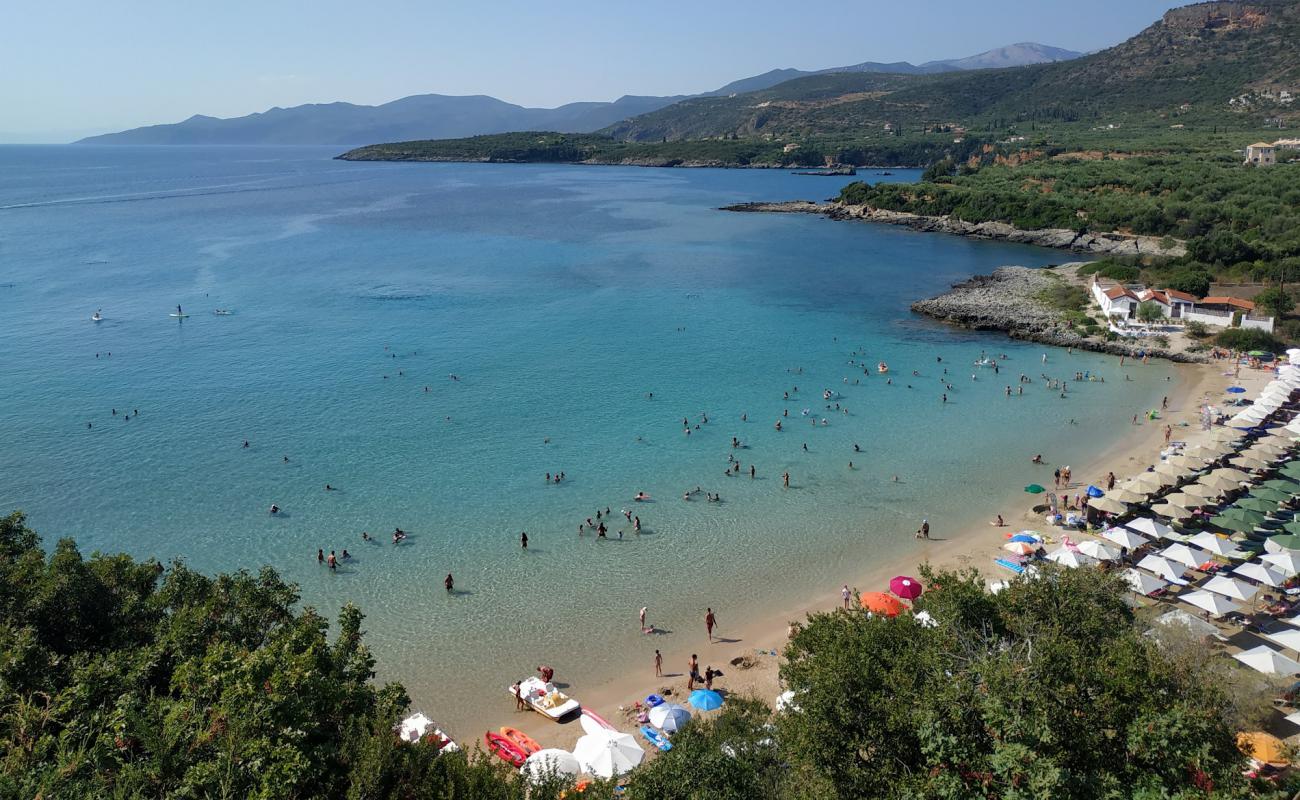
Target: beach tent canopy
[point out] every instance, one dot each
(1099, 551)
(1125, 537)
(1217, 605)
(1286, 561)
(1070, 558)
(1229, 587)
(1171, 571)
(1288, 637)
(1179, 618)
(1269, 661)
(551, 761)
(608, 754)
(1143, 583)
(1182, 554)
(1266, 574)
(1149, 527)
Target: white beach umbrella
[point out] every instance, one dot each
(1211, 602)
(1171, 571)
(1173, 470)
(551, 761)
(1268, 661)
(1271, 545)
(1266, 574)
(1287, 561)
(1229, 587)
(1109, 505)
(1178, 618)
(1214, 543)
(1183, 554)
(668, 717)
(1125, 537)
(1099, 551)
(609, 754)
(1247, 419)
(1070, 558)
(1149, 527)
(1142, 583)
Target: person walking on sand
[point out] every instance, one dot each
(659, 664)
(710, 622)
(692, 672)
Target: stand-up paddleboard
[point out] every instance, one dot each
(178, 316)
(96, 317)
(594, 723)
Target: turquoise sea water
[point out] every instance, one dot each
(561, 297)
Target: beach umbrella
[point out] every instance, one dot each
(1171, 571)
(1286, 541)
(1231, 474)
(1292, 527)
(1230, 587)
(1290, 469)
(1020, 548)
(1173, 470)
(1182, 554)
(1027, 536)
(1287, 637)
(1219, 482)
(1234, 524)
(1146, 482)
(1202, 491)
(705, 699)
(1093, 491)
(1149, 527)
(1286, 561)
(1259, 354)
(1187, 462)
(1285, 485)
(1236, 389)
(1070, 558)
(1099, 551)
(668, 717)
(1209, 450)
(1109, 505)
(1257, 504)
(1270, 448)
(1142, 583)
(1224, 435)
(1266, 574)
(1244, 514)
(1215, 544)
(1172, 511)
(1271, 495)
(1182, 619)
(1034, 488)
(1268, 661)
(1249, 462)
(1264, 747)
(906, 588)
(608, 754)
(1211, 602)
(1124, 538)
(551, 761)
(882, 604)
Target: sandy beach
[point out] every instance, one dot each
(975, 543)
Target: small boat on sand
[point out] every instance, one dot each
(545, 699)
(521, 740)
(418, 728)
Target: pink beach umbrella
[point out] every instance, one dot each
(906, 588)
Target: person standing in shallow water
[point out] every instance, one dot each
(710, 622)
(523, 539)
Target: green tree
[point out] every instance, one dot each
(1193, 282)
(1150, 311)
(1275, 300)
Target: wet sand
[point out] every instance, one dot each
(975, 544)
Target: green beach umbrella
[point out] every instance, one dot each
(1258, 504)
(1258, 353)
(1292, 527)
(1271, 495)
(1245, 515)
(1290, 469)
(1232, 524)
(1287, 541)
(1034, 488)
(1282, 485)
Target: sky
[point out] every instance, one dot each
(77, 67)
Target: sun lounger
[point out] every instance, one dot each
(1007, 563)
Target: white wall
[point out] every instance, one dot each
(1265, 324)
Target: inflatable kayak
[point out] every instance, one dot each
(521, 740)
(504, 749)
(656, 738)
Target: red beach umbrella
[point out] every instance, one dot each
(882, 604)
(906, 588)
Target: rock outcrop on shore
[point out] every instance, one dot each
(1061, 238)
(1009, 301)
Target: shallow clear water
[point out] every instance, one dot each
(561, 296)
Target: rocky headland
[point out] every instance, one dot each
(1012, 300)
(1061, 238)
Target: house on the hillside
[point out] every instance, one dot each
(1173, 303)
(1285, 144)
(1120, 304)
(1261, 154)
(1115, 301)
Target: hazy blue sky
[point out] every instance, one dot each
(73, 67)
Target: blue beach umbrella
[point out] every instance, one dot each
(705, 699)
(1093, 491)
(1025, 537)
(1237, 389)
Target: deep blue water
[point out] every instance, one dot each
(561, 296)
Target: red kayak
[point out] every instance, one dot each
(504, 749)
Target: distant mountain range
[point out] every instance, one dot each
(436, 116)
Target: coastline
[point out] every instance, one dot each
(1057, 238)
(973, 543)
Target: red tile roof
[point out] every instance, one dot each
(1116, 292)
(1236, 302)
(1174, 294)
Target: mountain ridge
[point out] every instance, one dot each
(440, 116)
